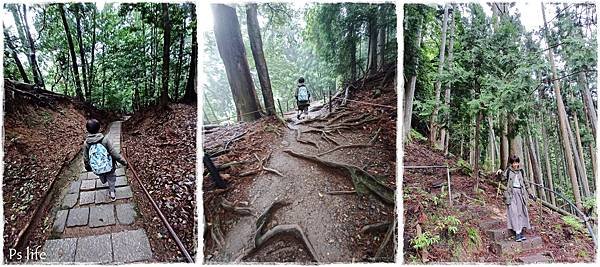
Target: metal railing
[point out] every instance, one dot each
(580, 213)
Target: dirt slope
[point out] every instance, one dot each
(161, 146)
(41, 136)
(427, 206)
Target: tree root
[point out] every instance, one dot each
(243, 211)
(233, 163)
(308, 142)
(235, 138)
(341, 147)
(216, 234)
(386, 239)
(360, 177)
(261, 167)
(375, 227)
(341, 192)
(261, 236)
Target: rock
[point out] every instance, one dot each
(131, 246)
(96, 249)
(78, 217)
(69, 201)
(126, 213)
(60, 250)
(60, 221)
(86, 197)
(102, 215)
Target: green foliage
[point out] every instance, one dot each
(125, 35)
(449, 224)
(424, 241)
(474, 237)
(589, 203)
(573, 222)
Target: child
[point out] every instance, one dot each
(515, 197)
(100, 156)
(302, 98)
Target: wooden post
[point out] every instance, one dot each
(280, 110)
(329, 101)
(287, 106)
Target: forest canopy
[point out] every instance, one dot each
(120, 57)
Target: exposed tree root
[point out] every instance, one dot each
(261, 167)
(261, 236)
(341, 192)
(360, 177)
(386, 239)
(233, 163)
(342, 147)
(375, 227)
(308, 142)
(243, 211)
(235, 138)
(216, 234)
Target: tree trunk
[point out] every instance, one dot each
(410, 93)
(492, 143)
(562, 119)
(504, 150)
(14, 9)
(579, 166)
(179, 63)
(381, 41)
(259, 58)
(352, 45)
(433, 124)
(164, 94)
(231, 49)
(529, 168)
(588, 103)
(82, 52)
(92, 74)
(545, 145)
(190, 89)
(475, 174)
(580, 153)
(37, 74)
(78, 91)
(14, 55)
(536, 168)
(372, 55)
(445, 131)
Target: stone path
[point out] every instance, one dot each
(88, 227)
(528, 251)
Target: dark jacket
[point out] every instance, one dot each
(509, 176)
(97, 138)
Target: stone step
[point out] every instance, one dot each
(535, 258)
(501, 248)
(120, 247)
(492, 224)
(499, 234)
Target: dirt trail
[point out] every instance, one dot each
(331, 222)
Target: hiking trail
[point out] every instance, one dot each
(315, 211)
(480, 219)
(88, 227)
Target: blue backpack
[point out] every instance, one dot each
(100, 160)
(302, 93)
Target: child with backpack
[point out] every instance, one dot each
(515, 197)
(302, 98)
(100, 156)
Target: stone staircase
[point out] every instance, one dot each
(88, 227)
(504, 244)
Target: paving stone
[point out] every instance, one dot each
(123, 192)
(88, 185)
(69, 201)
(60, 250)
(499, 234)
(78, 217)
(91, 176)
(493, 224)
(121, 181)
(126, 213)
(512, 247)
(120, 172)
(100, 185)
(74, 188)
(131, 246)
(60, 221)
(102, 215)
(101, 196)
(97, 249)
(86, 197)
(83, 176)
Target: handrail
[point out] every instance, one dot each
(586, 219)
